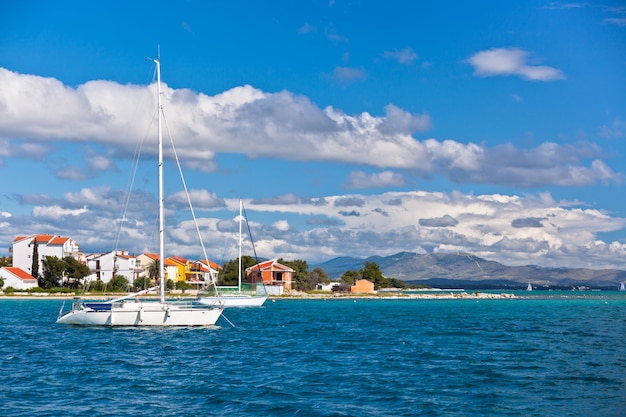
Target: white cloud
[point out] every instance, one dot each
(245, 120)
(512, 229)
(55, 212)
(511, 61)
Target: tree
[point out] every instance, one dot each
(300, 274)
(350, 277)
(229, 274)
(317, 276)
(119, 283)
(34, 269)
(75, 271)
(53, 269)
(153, 270)
(142, 283)
(372, 273)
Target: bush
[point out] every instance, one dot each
(36, 290)
(9, 290)
(95, 286)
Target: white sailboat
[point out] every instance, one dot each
(132, 311)
(530, 287)
(251, 298)
(622, 287)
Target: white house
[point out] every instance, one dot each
(104, 266)
(327, 287)
(17, 278)
(47, 245)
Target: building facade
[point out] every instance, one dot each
(23, 249)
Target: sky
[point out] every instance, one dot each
(348, 128)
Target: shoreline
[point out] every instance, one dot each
(392, 296)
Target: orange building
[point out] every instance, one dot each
(362, 286)
(271, 273)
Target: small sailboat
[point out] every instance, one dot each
(132, 311)
(253, 297)
(529, 287)
(622, 287)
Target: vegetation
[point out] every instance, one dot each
(35, 265)
(6, 261)
(153, 270)
(55, 269)
(229, 274)
(119, 283)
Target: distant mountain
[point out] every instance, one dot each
(463, 270)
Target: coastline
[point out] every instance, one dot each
(303, 296)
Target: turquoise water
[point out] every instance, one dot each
(552, 355)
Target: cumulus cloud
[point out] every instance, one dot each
(512, 229)
(245, 120)
(511, 61)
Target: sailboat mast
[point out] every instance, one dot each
(161, 211)
(240, 220)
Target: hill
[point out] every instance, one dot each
(463, 270)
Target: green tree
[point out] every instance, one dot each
(153, 270)
(372, 273)
(75, 271)
(142, 283)
(316, 276)
(300, 274)
(229, 274)
(350, 277)
(1, 282)
(34, 269)
(119, 283)
(53, 269)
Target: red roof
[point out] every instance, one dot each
(178, 259)
(272, 265)
(58, 240)
(20, 273)
(210, 263)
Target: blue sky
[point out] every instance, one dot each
(349, 128)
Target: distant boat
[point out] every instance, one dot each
(622, 287)
(530, 287)
(131, 311)
(246, 295)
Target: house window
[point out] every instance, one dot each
(279, 276)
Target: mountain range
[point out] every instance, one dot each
(464, 270)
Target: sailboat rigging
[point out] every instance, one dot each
(252, 297)
(132, 311)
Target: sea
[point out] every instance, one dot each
(545, 353)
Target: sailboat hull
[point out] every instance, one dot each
(235, 300)
(137, 313)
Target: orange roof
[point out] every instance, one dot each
(58, 240)
(43, 238)
(272, 265)
(20, 273)
(210, 263)
(153, 256)
(178, 260)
